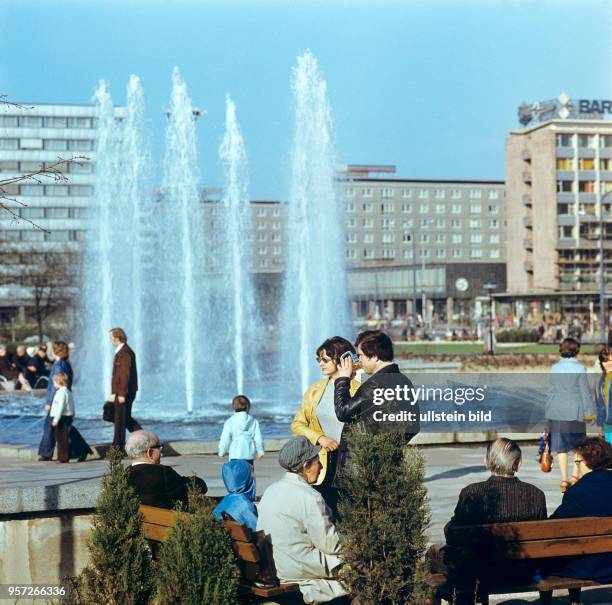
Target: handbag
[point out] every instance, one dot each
(108, 411)
(545, 455)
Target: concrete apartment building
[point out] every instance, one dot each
(451, 233)
(558, 177)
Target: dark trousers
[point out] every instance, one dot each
(78, 446)
(124, 420)
(61, 432)
(330, 493)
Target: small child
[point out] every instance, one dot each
(241, 435)
(62, 413)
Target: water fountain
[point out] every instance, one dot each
(315, 303)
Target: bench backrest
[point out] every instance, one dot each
(534, 539)
(253, 552)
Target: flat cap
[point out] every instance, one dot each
(297, 451)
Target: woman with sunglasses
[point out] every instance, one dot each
(316, 417)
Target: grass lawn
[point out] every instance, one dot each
(450, 348)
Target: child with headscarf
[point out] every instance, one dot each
(239, 481)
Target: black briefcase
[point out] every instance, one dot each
(108, 411)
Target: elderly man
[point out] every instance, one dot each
(154, 483)
(296, 521)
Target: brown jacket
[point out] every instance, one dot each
(125, 374)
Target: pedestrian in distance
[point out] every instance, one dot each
(241, 436)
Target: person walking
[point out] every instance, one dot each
(241, 435)
(602, 394)
(124, 386)
(569, 406)
(62, 415)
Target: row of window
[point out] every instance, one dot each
(263, 225)
(47, 144)
(37, 213)
(424, 208)
(29, 167)
(424, 238)
(583, 164)
(264, 212)
(50, 190)
(35, 235)
(584, 140)
(263, 237)
(565, 208)
(390, 192)
(390, 223)
(583, 186)
(46, 122)
(263, 250)
(388, 253)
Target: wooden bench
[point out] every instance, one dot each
(503, 544)
(253, 554)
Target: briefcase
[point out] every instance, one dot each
(108, 411)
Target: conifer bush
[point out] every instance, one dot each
(196, 563)
(383, 518)
(120, 567)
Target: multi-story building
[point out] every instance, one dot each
(559, 199)
(450, 233)
(31, 137)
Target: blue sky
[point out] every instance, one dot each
(430, 86)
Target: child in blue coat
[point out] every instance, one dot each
(241, 436)
(240, 484)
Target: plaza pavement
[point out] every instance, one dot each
(448, 469)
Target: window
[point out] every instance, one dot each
(55, 190)
(350, 253)
(32, 212)
(351, 238)
(31, 190)
(475, 194)
(350, 207)
(276, 225)
(440, 193)
(440, 223)
(79, 123)
(55, 122)
(368, 253)
(368, 223)
(425, 223)
(58, 236)
(604, 164)
(10, 167)
(586, 164)
(9, 236)
(493, 194)
(440, 253)
(276, 250)
(440, 238)
(387, 208)
(565, 164)
(440, 208)
(456, 208)
(407, 238)
(388, 253)
(475, 208)
(586, 140)
(565, 140)
(424, 239)
(406, 208)
(367, 192)
(32, 236)
(456, 194)
(387, 223)
(388, 238)
(56, 213)
(493, 223)
(494, 253)
(80, 168)
(8, 121)
(605, 140)
(368, 207)
(494, 238)
(30, 121)
(350, 192)
(456, 223)
(456, 238)
(261, 212)
(262, 250)
(474, 223)
(407, 223)
(565, 186)
(368, 238)
(11, 189)
(275, 212)
(586, 186)
(9, 144)
(55, 144)
(386, 192)
(261, 225)
(424, 253)
(475, 253)
(406, 192)
(80, 145)
(350, 222)
(475, 238)
(493, 208)
(263, 262)
(423, 208)
(407, 253)
(424, 193)
(262, 237)
(276, 237)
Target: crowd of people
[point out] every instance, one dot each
(298, 513)
(27, 369)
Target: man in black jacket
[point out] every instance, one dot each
(154, 483)
(384, 402)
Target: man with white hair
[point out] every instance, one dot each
(156, 484)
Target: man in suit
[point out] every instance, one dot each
(156, 484)
(124, 386)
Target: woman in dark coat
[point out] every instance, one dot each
(78, 446)
(591, 496)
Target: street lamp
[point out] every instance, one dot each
(490, 286)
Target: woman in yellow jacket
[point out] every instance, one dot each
(316, 416)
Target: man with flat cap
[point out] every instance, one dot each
(296, 521)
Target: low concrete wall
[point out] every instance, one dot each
(43, 550)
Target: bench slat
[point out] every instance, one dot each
(246, 552)
(238, 532)
(158, 516)
(156, 533)
(535, 530)
(270, 591)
